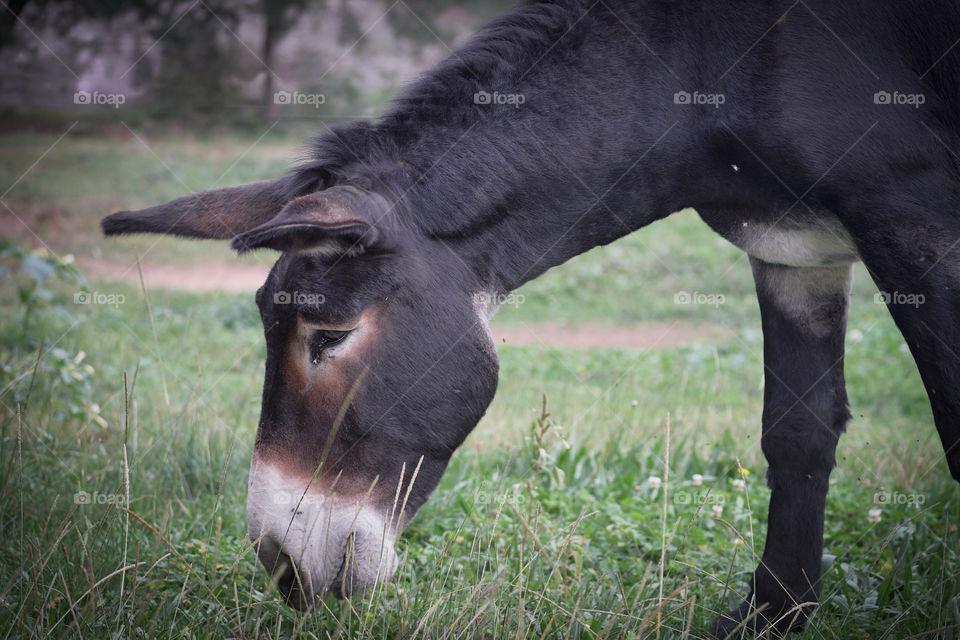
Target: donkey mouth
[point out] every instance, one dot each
(297, 588)
(337, 587)
(291, 585)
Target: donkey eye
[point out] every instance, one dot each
(323, 339)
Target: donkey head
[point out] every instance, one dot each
(379, 363)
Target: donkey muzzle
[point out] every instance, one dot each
(314, 542)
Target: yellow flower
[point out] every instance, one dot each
(742, 471)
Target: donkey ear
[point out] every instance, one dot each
(217, 213)
(337, 221)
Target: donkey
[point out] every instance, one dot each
(810, 133)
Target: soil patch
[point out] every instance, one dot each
(640, 335)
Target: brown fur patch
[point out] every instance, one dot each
(319, 395)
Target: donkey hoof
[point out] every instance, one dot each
(734, 624)
(748, 621)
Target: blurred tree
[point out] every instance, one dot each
(416, 19)
(63, 15)
(278, 17)
(193, 77)
(9, 16)
(186, 73)
(183, 58)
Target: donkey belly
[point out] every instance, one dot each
(819, 241)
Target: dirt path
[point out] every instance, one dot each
(208, 277)
(639, 335)
(248, 277)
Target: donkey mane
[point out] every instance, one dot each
(496, 59)
(483, 156)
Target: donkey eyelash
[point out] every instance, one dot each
(323, 339)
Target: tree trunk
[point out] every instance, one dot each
(8, 20)
(271, 19)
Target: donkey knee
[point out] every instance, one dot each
(804, 441)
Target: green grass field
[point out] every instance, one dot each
(545, 526)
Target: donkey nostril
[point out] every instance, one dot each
(283, 572)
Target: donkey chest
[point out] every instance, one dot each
(815, 242)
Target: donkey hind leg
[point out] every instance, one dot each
(803, 312)
(919, 284)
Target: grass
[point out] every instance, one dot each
(545, 526)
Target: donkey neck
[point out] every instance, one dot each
(532, 144)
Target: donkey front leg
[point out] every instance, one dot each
(803, 312)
